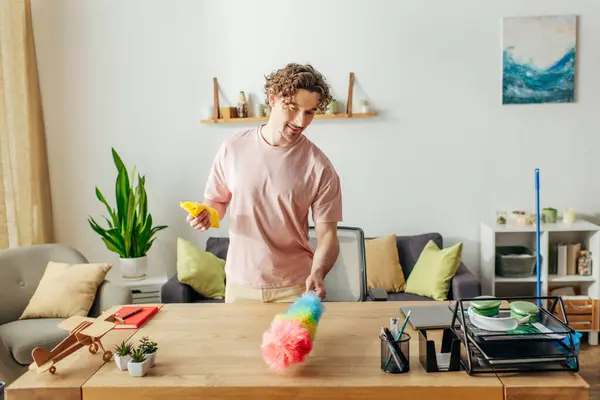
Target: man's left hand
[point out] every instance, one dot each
(315, 282)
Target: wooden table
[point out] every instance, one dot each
(212, 351)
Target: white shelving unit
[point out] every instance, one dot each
(146, 290)
(581, 231)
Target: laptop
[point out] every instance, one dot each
(438, 316)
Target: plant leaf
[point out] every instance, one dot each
(100, 197)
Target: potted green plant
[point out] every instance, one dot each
(130, 232)
(149, 348)
(123, 355)
(137, 366)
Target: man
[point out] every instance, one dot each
(269, 177)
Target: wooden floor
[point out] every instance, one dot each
(589, 360)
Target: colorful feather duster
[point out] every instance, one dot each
(290, 337)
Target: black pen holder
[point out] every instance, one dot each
(395, 357)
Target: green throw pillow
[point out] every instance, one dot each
(434, 270)
(201, 270)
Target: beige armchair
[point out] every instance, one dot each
(21, 270)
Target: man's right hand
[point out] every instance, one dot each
(200, 223)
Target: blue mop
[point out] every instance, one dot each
(537, 237)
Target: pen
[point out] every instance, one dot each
(131, 313)
(404, 325)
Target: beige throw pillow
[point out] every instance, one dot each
(66, 290)
(383, 264)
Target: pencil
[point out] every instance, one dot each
(387, 364)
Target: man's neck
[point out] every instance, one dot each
(271, 135)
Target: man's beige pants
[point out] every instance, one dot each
(241, 293)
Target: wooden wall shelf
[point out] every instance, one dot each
(256, 119)
(217, 117)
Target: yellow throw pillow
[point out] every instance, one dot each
(200, 269)
(383, 264)
(66, 290)
(434, 270)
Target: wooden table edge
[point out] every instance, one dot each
(14, 392)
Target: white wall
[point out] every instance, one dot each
(137, 75)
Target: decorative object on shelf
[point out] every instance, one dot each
(242, 106)
(332, 108)
(220, 117)
(522, 218)
(501, 217)
(365, 108)
(584, 263)
(229, 112)
(569, 215)
(130, 232)
(258, 110)
(208, 111)
(549, 215)
(539, 59)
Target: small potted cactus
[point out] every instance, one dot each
(149, 348)
(123, 355)
(137, 365)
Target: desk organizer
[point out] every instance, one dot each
(450, 350)
(548, 344)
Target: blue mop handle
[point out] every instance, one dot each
(537, 236)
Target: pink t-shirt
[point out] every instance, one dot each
(270, 190)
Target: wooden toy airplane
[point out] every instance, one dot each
(84, 331)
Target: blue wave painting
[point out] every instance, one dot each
(539, 60)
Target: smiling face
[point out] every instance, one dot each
(295, 93)
(291, 119)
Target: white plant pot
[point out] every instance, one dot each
(121, 361)
(151, 359)
(134, 267)
(137, 369)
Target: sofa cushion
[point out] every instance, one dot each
(22, 336)
(201, 270)
(218, 246)
(66, 290)
(410, 248)
(383, 265)
(434, 270)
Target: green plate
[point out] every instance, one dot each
(489, 307)
(520, 309)
(485, 304)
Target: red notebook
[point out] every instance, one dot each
(136, 320)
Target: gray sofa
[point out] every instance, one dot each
(21, 269)
(463, 285)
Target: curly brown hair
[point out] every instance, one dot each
(284, 82)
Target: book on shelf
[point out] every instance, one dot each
(566, 259)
